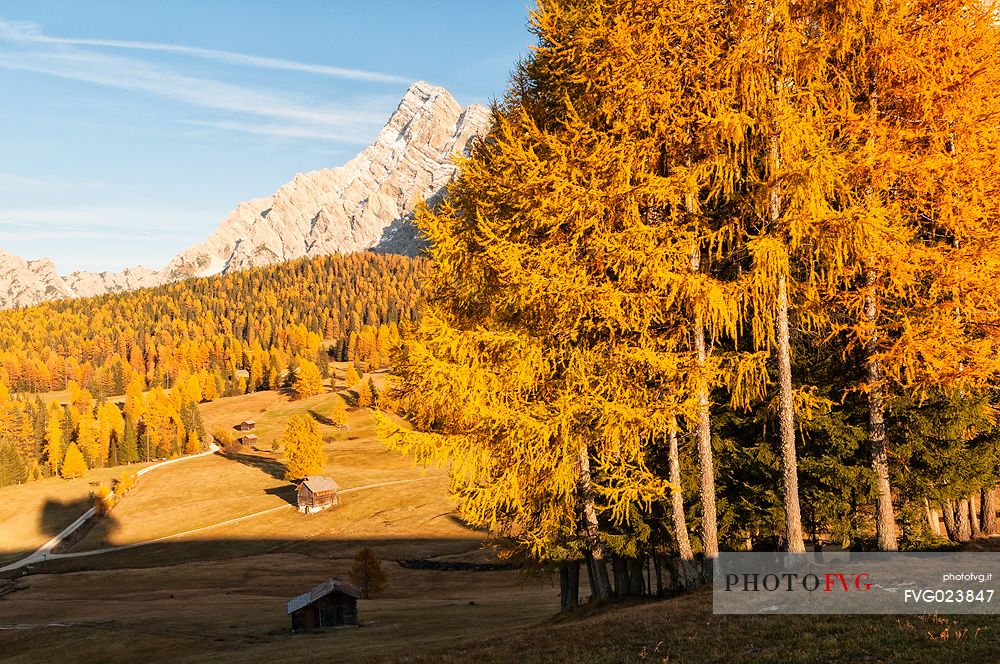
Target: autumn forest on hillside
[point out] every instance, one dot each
(162, 351)
(720, 277)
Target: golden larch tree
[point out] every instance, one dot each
(303, 444)
(74, 465)
(308, 380)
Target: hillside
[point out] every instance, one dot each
(221, 591)
(364, 204)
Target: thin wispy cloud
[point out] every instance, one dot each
(282, 131)
(236, 59)
(289, 115)
(27, 32)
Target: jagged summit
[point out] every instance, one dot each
(364, 204)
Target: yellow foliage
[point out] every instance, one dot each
(308, 380)
(303, 446)
(74, 464)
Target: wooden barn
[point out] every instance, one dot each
(248, 439)
(316, 493)
(333, 603)
(246, 425)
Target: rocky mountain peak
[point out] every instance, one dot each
(365, 204)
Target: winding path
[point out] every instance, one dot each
(45, 552)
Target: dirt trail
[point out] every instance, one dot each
(80, 554)
(44, 552)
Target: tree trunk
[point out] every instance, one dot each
(677, 511)
(620, 568)
(658, 573)
(591, 575)
(964, 528)
(988, 507)
(569, 585)
(675, 577)
(885, 516)
(948, 512)
(932, 520)
(703, 432)
(786, 402)
(591, 530)
(974, 518)
(637, 587)
(786, 409)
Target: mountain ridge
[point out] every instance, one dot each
(364, 204)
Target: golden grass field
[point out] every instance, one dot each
(219, 594)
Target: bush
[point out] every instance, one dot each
(104, 501)
(124, 483)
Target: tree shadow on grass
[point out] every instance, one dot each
(57, 515)
(286, 493)
(455, 518)
(324, 420)
(272, 467)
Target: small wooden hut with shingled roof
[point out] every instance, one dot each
(317, 492)
(333, 603)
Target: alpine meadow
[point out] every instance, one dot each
(705, 280)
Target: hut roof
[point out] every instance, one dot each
(320, 483)
(333, 584)
(250, 422)
(249, 436)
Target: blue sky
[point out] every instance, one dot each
(130, 129)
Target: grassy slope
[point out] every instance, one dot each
(685, 630)
(33, 513)
(221, 593)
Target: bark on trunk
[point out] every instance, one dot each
(885, 516)
(974, 517)
(591, 575)
(569, 585)
(677, 512)
(948, 512)
(786, 402)
(964, 528)
(988, 507)
(932, 520)
(885, 519)
(591, 530)
(786, 418)
(703, 433)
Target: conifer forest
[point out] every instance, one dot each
(721, 276)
